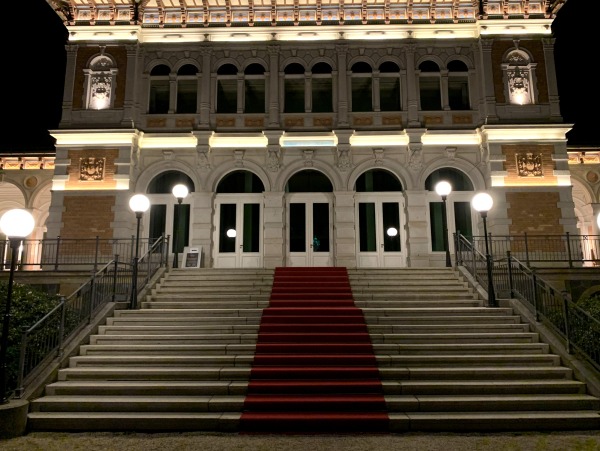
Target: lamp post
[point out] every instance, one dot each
(482, 203)
(16, 224)
(139, 204)
(180, 192)
(444, 188)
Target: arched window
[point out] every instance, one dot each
(430, 92)
(309, 181)
(100, 83)
(240, 182)
(458, 85)
(227, 91)
(321, 88)
(159, 90)
(389, 87)
(164, 182)
(377, 180)
(187, 89)
(458, 207)
(518, 73)
(294, 83)
(362, 87)
(254, 89)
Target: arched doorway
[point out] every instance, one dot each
(166, 215)
(380, 231)
(309, 201)
(238, 228)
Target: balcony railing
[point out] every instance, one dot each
(578, 330)
(544, 250)
(71, 253)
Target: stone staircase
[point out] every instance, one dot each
(447, 362)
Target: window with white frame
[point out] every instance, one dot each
(100, 83)
(458, 207)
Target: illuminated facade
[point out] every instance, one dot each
(312, 133)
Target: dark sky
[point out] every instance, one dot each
(35, 100)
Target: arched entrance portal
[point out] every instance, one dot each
(380, 229)
(238, 229)
(309, 201)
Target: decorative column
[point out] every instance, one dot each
(273, 85)
(131, 78)
(485, 69)
(342, 55)
(553, 97)
(205, 92)
(71, 67)
(412, 101)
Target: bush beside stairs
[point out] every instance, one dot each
(315, 350)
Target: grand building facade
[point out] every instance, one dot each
(308, 133)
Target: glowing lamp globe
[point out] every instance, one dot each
(17, 223)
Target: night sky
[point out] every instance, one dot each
(35, 97)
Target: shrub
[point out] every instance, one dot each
(28, 306)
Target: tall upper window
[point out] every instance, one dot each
(458, 85)
(187, 89)
(100, 81)
(389, 86)
(518, 71)
(362, 87)
(294, 84)
(227, 89)
(429, 86)
(321, 88)
(159, 90)
(254, 89)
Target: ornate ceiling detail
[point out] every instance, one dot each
(227, 13)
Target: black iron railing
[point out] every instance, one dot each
(46, 340)
(533, 250)
(71, 253)
(579, 331)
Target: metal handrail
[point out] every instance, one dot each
(579, 330)
(47, 339)
(572, 250)
(56, 254)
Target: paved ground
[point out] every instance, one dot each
(564, 441)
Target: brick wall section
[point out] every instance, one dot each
(88, 216)
(109, 170)
(536, 49)
(535, 214)
(84, 55)
(510, 165)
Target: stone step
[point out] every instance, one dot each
(178, 329)
(182, 321)
(82, 387)
(443, 320)
(394, 302)
(130, 349)
(229, 403)
(233, 312)
(457, 337)
(179, 339)
(446, 328)
(190, 302)
(169, 373)
(168, 358)
(434, 310)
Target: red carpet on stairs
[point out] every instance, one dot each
(314, 370)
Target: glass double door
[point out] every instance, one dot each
(380, 231)
(309, 230)
(238, 232)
